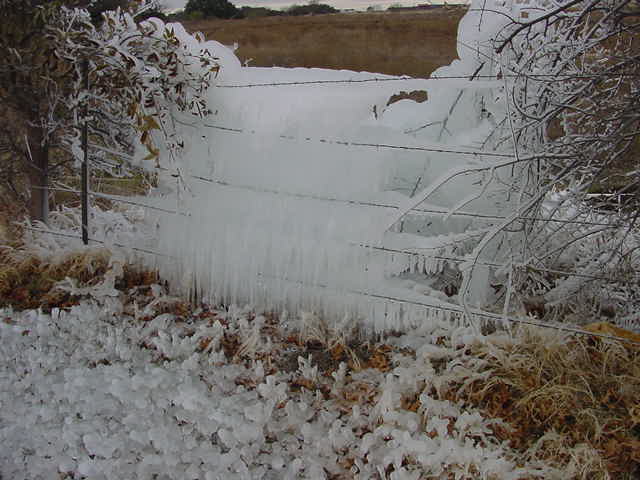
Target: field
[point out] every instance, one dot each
(393, 43)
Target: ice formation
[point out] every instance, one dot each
(95, 392)
(315, 193)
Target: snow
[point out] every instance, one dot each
(134, 385)
(96, 391)
(290, 194)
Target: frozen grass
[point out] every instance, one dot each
(573, 402)
(136, 383)
(33, 267)
(150, 388)
(29, 281)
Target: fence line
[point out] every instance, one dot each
(369, 204)
(460, 311)
(456, 310)
(117, 199)
(551, 77)
(425, 211)
(129, 202)
(482, 262)
(438, 148)
(366, 246)
(103, 242)
(350, 143)
(450, 308)
(372, 247)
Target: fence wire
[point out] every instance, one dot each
(352, 143)
(115, 198)
(549, 77)
(449, 308)
(411, 252)
(95, 240)
(421, 210)
(429, 210)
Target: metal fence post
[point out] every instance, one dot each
(85, 162)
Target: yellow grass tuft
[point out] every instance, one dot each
(27, 281)
(574, 404)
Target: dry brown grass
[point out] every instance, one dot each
(574, 404)
(27, 281)
(393, 43)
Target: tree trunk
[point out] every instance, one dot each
(38, 155)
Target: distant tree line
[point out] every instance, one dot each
(198, 9)
(311, 8)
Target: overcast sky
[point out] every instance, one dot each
(276, 4)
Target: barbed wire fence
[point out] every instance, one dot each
(506, 159)
(452, 308)
(456, 310)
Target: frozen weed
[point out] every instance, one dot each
(571, 402)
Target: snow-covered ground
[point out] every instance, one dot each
(134, 383)
(140, 386)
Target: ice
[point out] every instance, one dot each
(290, 192)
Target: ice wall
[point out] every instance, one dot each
(315, 194)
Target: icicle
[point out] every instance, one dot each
(271, 228)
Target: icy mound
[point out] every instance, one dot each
(100, 393)
(294, 191)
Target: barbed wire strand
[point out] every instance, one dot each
(116, 198)
(425, 211)
(480, 262)
(551, 77)
(373, 247)
(460, 311)
(103, 242)
(451, 308)
(339, 200)
(366, 246)
(350, 143)
(129, 202)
